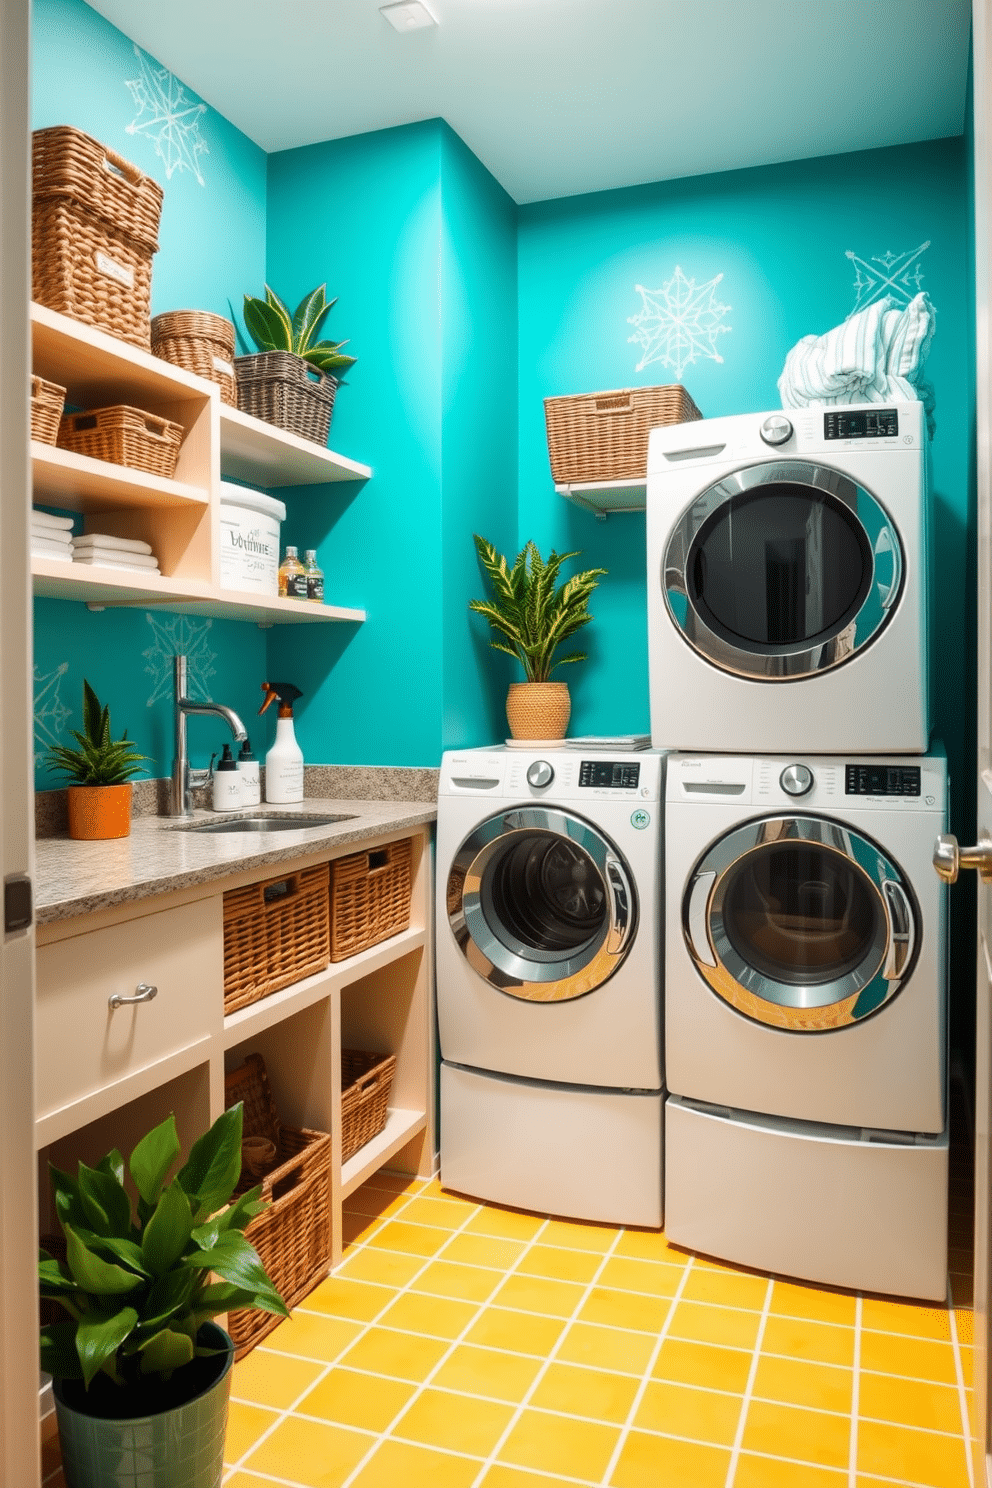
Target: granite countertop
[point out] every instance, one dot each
(75, 878)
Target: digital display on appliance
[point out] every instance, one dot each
(882, 780)
(609, 773)
(880, 423)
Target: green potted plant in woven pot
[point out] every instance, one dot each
(99, 772)
(141, 1373)
(291, 381)
(533, 613)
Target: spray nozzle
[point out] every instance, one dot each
(286, 694)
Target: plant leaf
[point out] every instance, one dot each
(98, 1337)
(54, 1276)
(68, 1204)
(307, 316)
(265, 327)
(282, 311)
(107, 1206)
(92, 1273)
(214, 1165)
(113, 1163)
(166, 1351)
(152, 1159)
(235, 1217)
(167, 1232)
(235, 1260)
(167, 1297)
(58, 1350)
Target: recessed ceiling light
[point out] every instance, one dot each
(408, 15)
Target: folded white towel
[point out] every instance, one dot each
(45, 519)
(133, 563)
(52, 535)
(52, 555)
(48, 545)
(104, 540)
(114, 555)
(876, 356)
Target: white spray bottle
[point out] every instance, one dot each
(284, 761)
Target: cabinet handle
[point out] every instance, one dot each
(143, 992)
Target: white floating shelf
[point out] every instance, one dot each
(604, 497)
(263, 455)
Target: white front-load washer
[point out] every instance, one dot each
(806, 1015)
(548, 959)
(788, 580)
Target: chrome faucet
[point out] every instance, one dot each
(183, 778)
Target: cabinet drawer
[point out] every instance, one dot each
(82, 1044)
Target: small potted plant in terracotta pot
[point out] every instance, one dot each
(533, 613)
(99, 774)
(141, 1372)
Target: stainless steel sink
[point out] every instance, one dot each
(285, 822)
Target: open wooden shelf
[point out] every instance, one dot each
(79, 483)
(263, 455)
(98, 369)
(400, 1127)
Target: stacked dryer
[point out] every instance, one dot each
(805, 956)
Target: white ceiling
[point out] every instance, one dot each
(559, 97)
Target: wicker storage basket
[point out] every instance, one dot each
(275, 933)
(370, 897)
(47, 403)
(280, 388)
(124, 436)
(199, 342)
(292, 1236)
(94, 230)
(604, 436)
(366, 1080)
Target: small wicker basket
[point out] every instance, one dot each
(199, 342)
(370, 897)
(47, 403)
(124, 436)
(292, 1236)
(281, 388)
(94, 231)
(275, 933)
(366, 1080)
(604, 436)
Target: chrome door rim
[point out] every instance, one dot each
(537, 980)
(785, 663)
(814, 1007)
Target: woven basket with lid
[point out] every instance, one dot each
(94, 231)
(199, 342)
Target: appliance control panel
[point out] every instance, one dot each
(609, 774)
(840, 423)
(881, 780)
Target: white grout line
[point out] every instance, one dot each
(664, 1332)
(852, 1459)
(735, 1450)
(962, 1393)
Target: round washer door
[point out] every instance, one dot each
(800, 923)
(782, 570)
(541, 904)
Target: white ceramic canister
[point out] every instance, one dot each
(249, 539)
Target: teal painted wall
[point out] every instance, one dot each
(212, 249)
(779, 237)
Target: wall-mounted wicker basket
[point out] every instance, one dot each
(292, 1236)
(281, 388)
(47, 403)
(604, 436)
(366, 1081)
(199, 342)
(124, 436)
(275, 933)
(370, 897)
(94, 231)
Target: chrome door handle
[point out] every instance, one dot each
(949, 859)
(697, 933)
(621, 907)
(143, 992)
(902, 934)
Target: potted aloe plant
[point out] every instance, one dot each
(99, 773)
(141, 1373)
(533, 613)
(291, 381)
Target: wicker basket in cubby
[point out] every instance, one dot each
(124, 436)
(366, 1081)
(604, 436)
(370, 897)
(275, 933)
(199, 342)
(47, 403)
(293, 1235)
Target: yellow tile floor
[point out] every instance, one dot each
(460, 1344)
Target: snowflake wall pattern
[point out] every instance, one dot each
(168, 118)
(50, 713)
(181, 636)
(679, 324)
(897, 274)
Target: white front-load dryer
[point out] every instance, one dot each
(787, 582)
(548, 957)
(806, 1017)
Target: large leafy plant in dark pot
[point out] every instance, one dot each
(141, 1372)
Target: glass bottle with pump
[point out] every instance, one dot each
(314, 576)
(292, 576)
